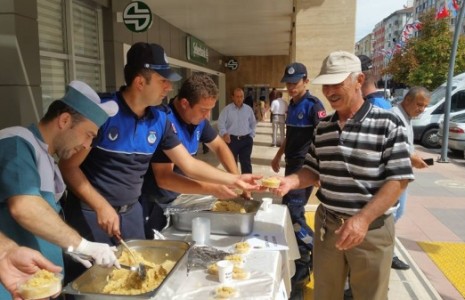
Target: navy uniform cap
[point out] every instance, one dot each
(294, 72)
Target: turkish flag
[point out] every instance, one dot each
(442, 13)
(455, 4)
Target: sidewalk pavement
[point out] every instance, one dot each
(435, 198)
(435, 212)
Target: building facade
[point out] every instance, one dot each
(365, 45)
(48, 43)
(393, 31)
(388, 36)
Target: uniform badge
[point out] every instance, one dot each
(321, 114)
(152, 137)
(290, 71)
(300, 116)
(113, 134)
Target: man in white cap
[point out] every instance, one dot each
(360, 156)
(32, 184)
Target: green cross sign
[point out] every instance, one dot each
(137, 16)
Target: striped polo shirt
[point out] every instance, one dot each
(353, 163)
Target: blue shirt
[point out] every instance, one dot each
(237, 121)
(190, 135)
(27, 169)
(302, 118)
(121, 152)
(377, 99)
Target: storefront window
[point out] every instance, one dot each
(70, 48)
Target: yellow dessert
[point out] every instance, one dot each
(228, 205)
(225, 292)
(271, 182)
(42, 284)
(236, 259)
(240, 274)
(126, 282)
(242, 247)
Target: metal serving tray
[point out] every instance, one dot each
(90, 284)
(228, 223)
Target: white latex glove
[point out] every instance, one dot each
(102, 254)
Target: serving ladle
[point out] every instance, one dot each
(140, 267)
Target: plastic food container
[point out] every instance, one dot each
(227, 223)
(43, 284)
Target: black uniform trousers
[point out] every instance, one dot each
(241, 148)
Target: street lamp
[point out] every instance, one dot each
(450, 75)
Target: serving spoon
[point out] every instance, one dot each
(140, 267)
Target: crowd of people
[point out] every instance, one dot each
(123, 157)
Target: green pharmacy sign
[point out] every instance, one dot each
(197, 51)
(137, 16)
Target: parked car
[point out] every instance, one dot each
(396, 100)
(426, 125)
(456, 139)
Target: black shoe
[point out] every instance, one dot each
(398, 264)
(303, 270)
(348, 294)
(297, 293)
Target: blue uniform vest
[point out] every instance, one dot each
(122, 151)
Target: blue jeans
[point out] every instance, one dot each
(401, 209)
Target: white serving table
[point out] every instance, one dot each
(271, 268)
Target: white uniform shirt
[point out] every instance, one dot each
(278, 106)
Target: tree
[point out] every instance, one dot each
(424, 61)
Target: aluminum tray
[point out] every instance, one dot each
(90, 284)
(228, 223)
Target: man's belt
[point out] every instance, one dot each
(377, 223)
(294, 161)
(119, 209)
(238, 137)
(123, 208)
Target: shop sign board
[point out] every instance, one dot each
(197, 51)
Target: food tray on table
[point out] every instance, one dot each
(91, 283)
(187, 207)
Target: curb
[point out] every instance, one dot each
(417, 272)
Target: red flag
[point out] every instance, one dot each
(442, 13)
(456, 5)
